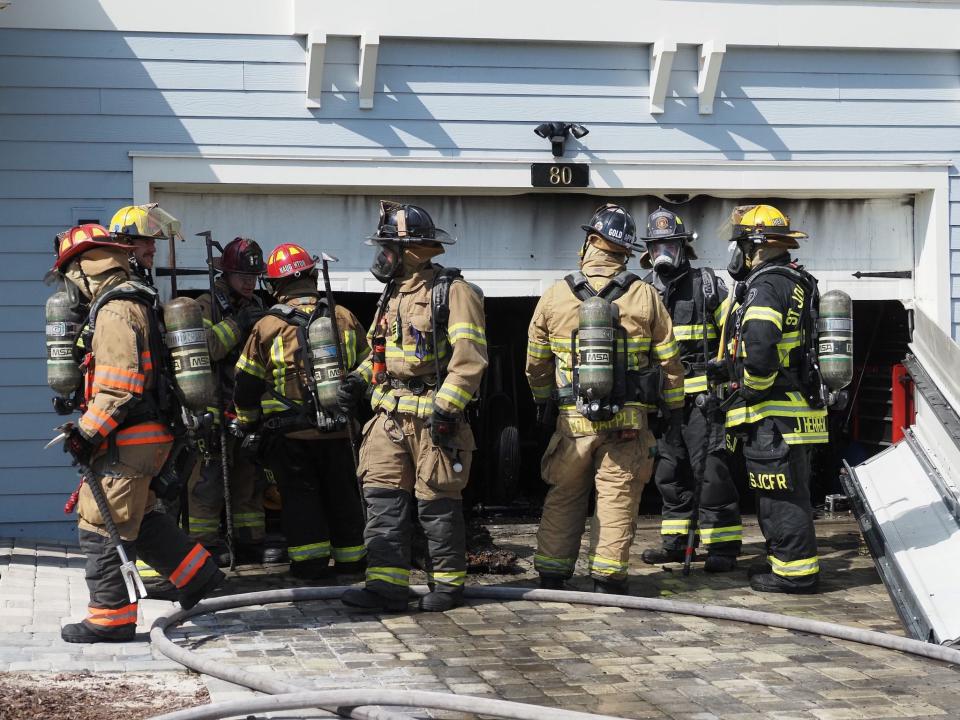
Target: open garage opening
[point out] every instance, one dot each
(515, 246)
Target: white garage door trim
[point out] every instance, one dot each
(927, 181)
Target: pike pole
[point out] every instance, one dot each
(221, 413)
(342, 364)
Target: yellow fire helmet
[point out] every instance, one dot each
(144, 221)
(764, 224)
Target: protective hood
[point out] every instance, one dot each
(297, 287)
(416, 256)
(598, 262)
(97, 270)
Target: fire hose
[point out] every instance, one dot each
(361, 703)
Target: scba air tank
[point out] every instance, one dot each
(187, 340)
(835, 330)
(596, 338)
(62, 328)
(326, 369)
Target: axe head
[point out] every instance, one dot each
(328, 258)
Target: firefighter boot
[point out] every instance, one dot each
(769, 582)
(611, 587)
(445, 529)
(83, 633)
(387, 538)
(552, 582)
(719, 563)
(660, 556)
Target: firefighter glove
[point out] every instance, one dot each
(718, 371)
(443, 427)
(80, 448)
(247, 317)
(674, 434)
(350, 394)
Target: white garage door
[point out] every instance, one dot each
(517, 245)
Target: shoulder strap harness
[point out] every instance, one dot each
(615, 289)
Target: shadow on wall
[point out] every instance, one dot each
(72, 106)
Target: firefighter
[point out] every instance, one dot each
(238, 309)
(429, 355)
(300, 442)
(130, 224)
(697, 301)
(771, 414)
(602, 439)
(124, 436)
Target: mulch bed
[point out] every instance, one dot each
(95, 696)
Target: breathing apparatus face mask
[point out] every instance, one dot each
(739, 258)
(388, 262)
(666, 256)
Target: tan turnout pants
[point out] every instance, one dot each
(618, 466)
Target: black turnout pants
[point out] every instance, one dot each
(677, 472)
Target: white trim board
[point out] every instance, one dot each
(900, 24)
(928, 182)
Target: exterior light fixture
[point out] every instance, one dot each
(557, 132)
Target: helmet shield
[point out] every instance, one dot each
(148, 221)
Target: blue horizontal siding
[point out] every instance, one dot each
(162, 46)
(22, 346)
(55, 531)
(31, 454)
(73, 105)
(24, 398)
(457, 135)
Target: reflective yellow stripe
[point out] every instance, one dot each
(793, 405)
(606, 566)
(545, 563)
(458, 397)
(225, 333)
(279, 365)
(313, 551)
(759, 312)
(539, 351)
(392, 575)
(758, 382)
(247, 520)
(673, 396)
(466, 331)
(794, 568)
(146, 571)
(788, 341)
(667, 350)
(730, 533)
(365, 370)
(720, 314)
(204, 524)
(251, 367)
(454, 578)
(812, 438)
(541, 392)
(693, 332)
(692, 385)
(674, 527)
(248, 416)
(352, 553)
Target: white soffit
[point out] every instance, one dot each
(893, 24)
